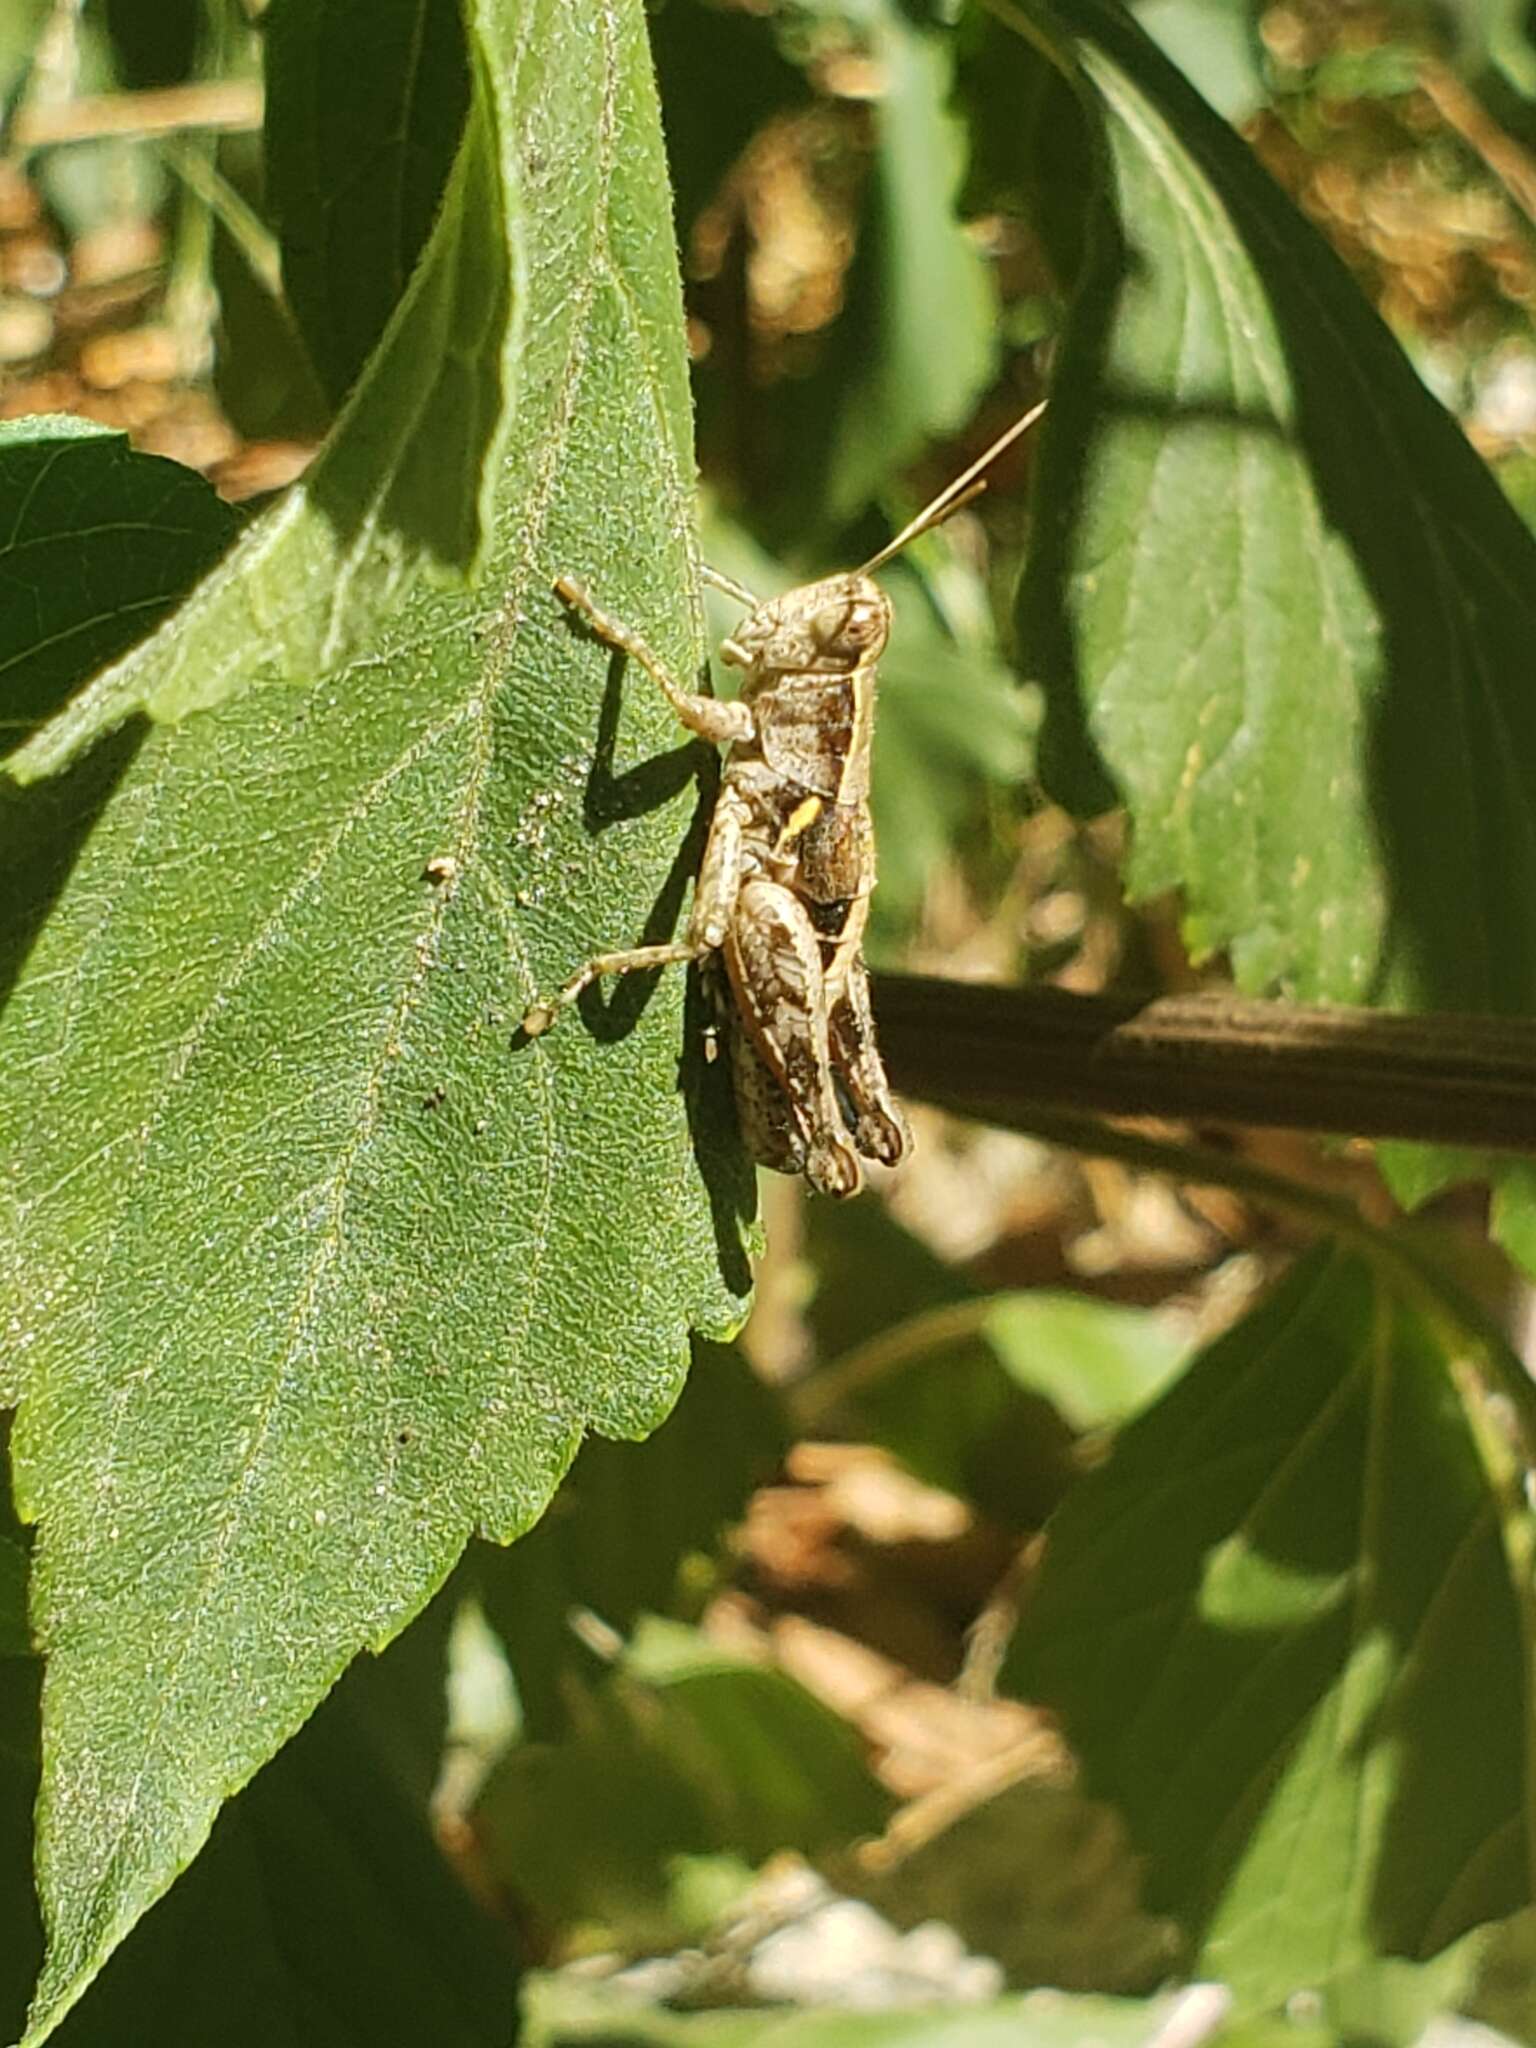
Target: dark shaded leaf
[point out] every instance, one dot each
(687, 1753)
(97, 543)
(14, 1640)
(366, 100)
(622, 1527)
(1280, 1627)
(321, 1909)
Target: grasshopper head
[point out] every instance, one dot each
(824, 628)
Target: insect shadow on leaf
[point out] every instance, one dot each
(608, 798)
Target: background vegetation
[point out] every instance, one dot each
(1105, 1570)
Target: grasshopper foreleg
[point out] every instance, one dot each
(716, 719)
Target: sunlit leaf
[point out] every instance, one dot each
(1274, 591)
(311, 1267)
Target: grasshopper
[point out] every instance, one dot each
(784, 885)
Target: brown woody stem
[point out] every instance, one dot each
(987, 1052)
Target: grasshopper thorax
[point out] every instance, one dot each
(827, 628)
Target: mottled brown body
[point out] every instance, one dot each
(784, 885)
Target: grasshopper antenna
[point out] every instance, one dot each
(968, 485)
(718, 580)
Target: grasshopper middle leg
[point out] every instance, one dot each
(713, 902)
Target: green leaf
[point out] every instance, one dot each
(366, 103)
(1513, 1220)
(96, 543)
(1215, 43)
(1496, 32)
(623, 1527)
(922, 316)
(953, 728)
(321, 1909)
(402, 491)
(21, 29)
(311, 1268)
(985, 1395)
(1096, 1363)
(916, 342)
(1280, 1628)
(1274, 591)
(687, 1753)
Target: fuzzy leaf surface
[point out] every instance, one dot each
(311, 1268)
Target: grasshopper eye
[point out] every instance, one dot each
(848, 628)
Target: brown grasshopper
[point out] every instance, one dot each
(784, 886)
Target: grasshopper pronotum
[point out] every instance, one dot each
(784, 885)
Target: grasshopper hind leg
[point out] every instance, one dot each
(874, 1117)
(774, 959)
